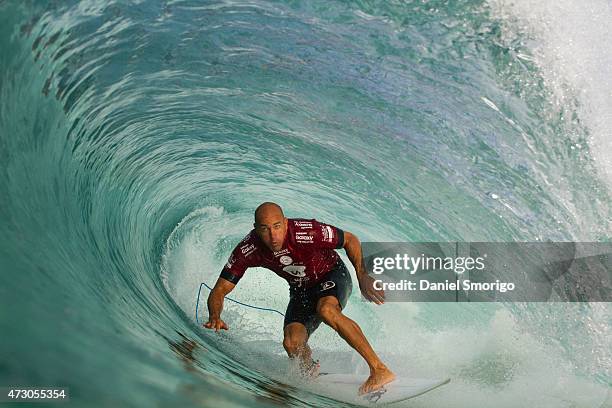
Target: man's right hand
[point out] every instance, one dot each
(215, 304)
(216, 323)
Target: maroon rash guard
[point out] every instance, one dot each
(306, 257)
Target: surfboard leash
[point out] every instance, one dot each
(233, 300)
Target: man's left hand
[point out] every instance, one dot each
(366, 285)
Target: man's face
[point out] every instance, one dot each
(271, 228)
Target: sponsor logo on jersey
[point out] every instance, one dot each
(328, 233)
(327, 285)
(295, 270)
(247, 249)
(230, 261)
(303, 224)
(304, 238)
(286, 260)
(281, 252)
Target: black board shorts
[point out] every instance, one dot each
(302, 306)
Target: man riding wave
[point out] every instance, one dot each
(302, 252)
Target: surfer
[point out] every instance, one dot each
(302, 252)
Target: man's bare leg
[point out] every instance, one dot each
(296, 345)
(330, 312)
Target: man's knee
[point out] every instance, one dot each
(329, 310)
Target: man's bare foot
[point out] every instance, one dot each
(377, 379)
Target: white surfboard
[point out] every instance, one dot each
(345, 387)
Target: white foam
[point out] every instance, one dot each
(571, 46)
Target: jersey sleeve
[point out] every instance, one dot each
(241, 258)
(327, 236)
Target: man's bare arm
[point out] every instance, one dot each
(215, 304)
(352, 246)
